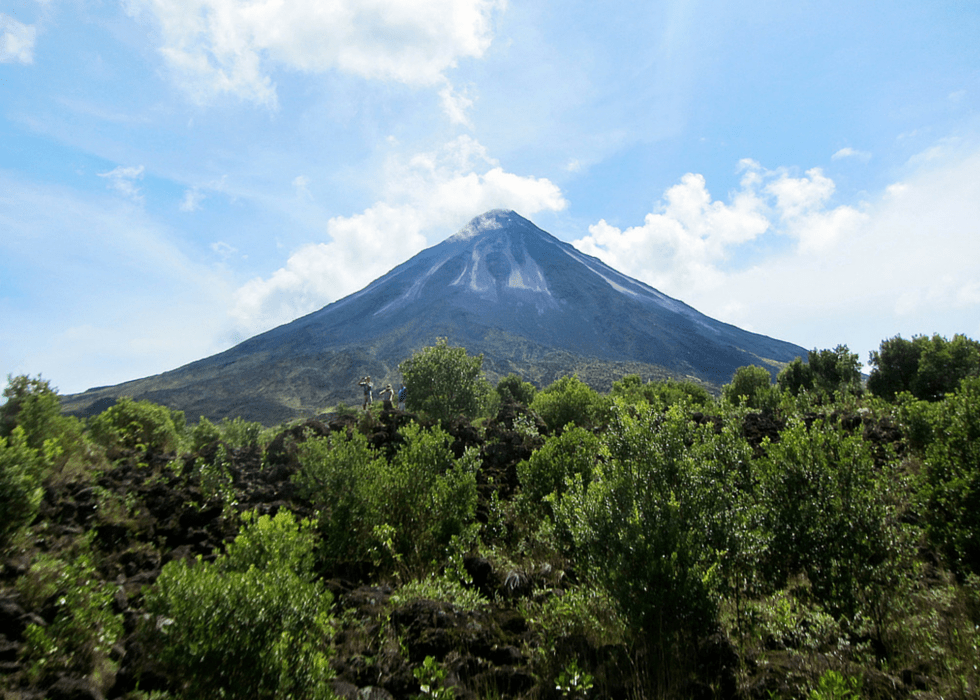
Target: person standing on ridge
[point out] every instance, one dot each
(402, 395)
(367, 386)
(386, 395)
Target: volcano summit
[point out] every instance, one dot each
(501, 286)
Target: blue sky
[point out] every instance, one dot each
(178, 175)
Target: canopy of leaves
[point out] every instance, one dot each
(752, 386)
(254, 623)
(928, 368)
(824, 373)
(570, 401)
(444, 382)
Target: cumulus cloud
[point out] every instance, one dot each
(16, 41)
(428, 195)
(231, 46)
(123, 180)
(682, 247)
(778, 257)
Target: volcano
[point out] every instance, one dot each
(501, 286)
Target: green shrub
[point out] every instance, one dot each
(825, 512)
(570, 401)
(444, 589)
(952, 470)
(444, 382)
(203, 434)
(21, 472)
(661, 394)
(638, 527)
(573, 453)
(404, 512)
(513, 389)
(254, 623)
(138, 425)
(85, 628)
(751, 386)
(240, 433)
(34, 406)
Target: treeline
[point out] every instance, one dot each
(815, 537)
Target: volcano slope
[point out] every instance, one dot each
(501, 287)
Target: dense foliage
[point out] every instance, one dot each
(803, 538)
(445, 382)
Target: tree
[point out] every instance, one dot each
(569, 400)
(513, 389)
(943, 365)
(928, 368)
(445, 382)
(752, 385)
(835, 370)
(20, 483)
(824, 372)
(139, 425)
(895, 365)
(32, 404)
(253, 623)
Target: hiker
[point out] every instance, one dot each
(402, 395)
(386, 395)
(367, 386)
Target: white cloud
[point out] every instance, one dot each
(192, 200)
(16, 41)
(683, 245)
(455, 105)
(906, 261)
(848, 152)
(302, 185)
(123, 180)
(231, 46)
(430, 194)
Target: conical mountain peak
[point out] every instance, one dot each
(501, 286)
(495, 220)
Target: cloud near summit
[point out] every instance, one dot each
(427, 195)
(232, 46)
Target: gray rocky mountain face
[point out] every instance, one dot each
(501, 286)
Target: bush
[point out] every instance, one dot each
(661, 394)
(203, 434)
(640, 527)
(825, 512)
(952, 469)
(84, 629)
(20, 483)
(34, 406)
(138, 425)
(570, 401)
(751, 386)
(405, 512)
(513, 389)
(573, 454)
(444, 382)
(252, 624)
